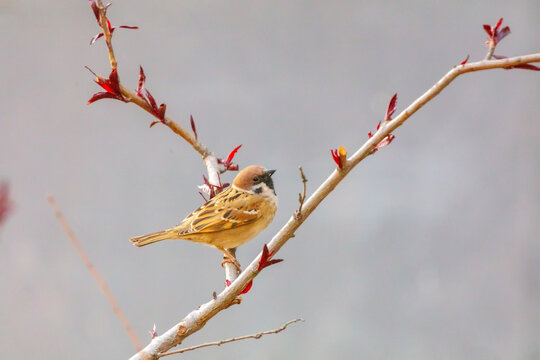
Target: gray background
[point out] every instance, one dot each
(427, 250)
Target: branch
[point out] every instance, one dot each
(196, 319)
(103, 286)
(115, 90)
(221, 342)
(301, 196)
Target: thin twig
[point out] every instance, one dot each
(106, 32)
(196, 319)
(490, 52)
(103, 286)
(221, 342)
(301, 196)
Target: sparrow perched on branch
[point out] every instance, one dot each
(231, 218)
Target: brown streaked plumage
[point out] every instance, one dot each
(231, 218)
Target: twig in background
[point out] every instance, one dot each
(103, 286)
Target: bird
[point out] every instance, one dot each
(231, 218)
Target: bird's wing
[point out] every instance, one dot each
(230, 209)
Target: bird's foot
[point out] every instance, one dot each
(229, 258)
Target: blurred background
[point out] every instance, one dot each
(428, 250)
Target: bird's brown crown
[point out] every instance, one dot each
(244, 179)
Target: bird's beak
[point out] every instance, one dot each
(270, 172)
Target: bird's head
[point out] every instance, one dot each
(255, 179)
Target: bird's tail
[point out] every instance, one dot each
(154, 237)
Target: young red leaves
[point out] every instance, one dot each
(111, 30)
(339, 156)
(192, 122)
(495, 34)
(110, 85)
(153, 332)
(210, 189)
(246, 289)
(97, 7)
(465, 61)
(266, 259)
(390, 110)
(522, 66)
(228, 162)
(157, 111)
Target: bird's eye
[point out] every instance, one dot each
(256, 179)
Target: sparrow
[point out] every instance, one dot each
(231, 218)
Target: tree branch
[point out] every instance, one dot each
(302, 195)
(212, 163)
(221, 342)
(196, 319)
(103, 286)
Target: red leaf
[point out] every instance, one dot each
(498, 24)
(391, 109)
(527, 67)
(102, 95)
(503, 33)
(111, 85)
(205, 201)
(95, 9)
(193, 125)
(111, 30)
(158, 112)
(522, 66)
(153, 332)
(232, 154)
(93, 40)
(266, 259)
(495, 36)
(228, 163)
(161, 112)
(109, 26)
(264, 256)
(465, 61)
(247, 288)
(335, 156)
(142, 80)
(128, 27)
(151, 101)
(210, 189)
(487, 28)
(384, 142)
